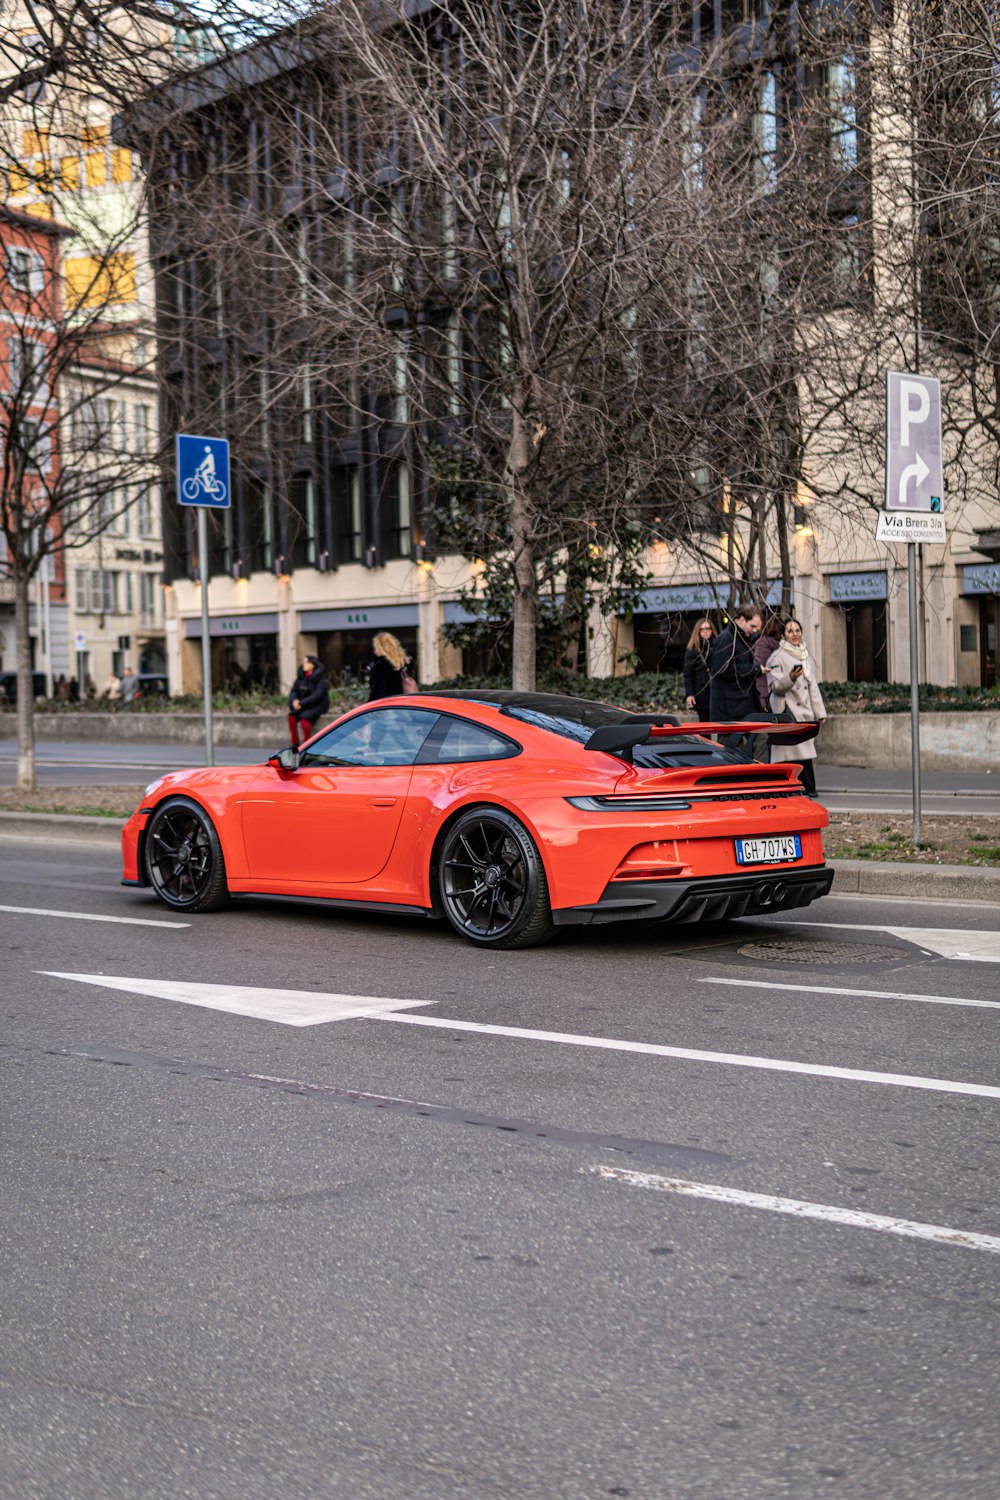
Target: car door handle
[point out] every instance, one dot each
(381, 801)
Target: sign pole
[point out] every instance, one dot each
(911, 569)
(206, 644)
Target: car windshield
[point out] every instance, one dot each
(577, 718)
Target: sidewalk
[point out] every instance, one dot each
(838, 780)
(967, 884)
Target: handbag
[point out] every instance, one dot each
(410, 684)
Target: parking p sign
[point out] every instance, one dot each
(914, 477)
(203, 471)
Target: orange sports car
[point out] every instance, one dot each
(509, 814)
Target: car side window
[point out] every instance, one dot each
(455, 740)
(381, 737)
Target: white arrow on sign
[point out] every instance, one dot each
(287, 1007)
(917, 471)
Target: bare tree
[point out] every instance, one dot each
(74, 258)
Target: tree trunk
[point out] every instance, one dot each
(25, 689)
(781, 516)
(525, 581)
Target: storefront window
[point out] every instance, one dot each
(347, 655)
(989, 630)
(867, 642)
(660, 640)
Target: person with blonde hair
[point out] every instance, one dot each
(389, 676)
(698, 668)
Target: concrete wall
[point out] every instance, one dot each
(948, 742)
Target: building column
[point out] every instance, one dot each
(428, 629)
(288, 665)
(602, 643)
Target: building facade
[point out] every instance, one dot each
(60, 165)
(329, 538)
(30, 314)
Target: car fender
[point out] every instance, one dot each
(224, 809)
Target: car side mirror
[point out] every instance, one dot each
(284, 760)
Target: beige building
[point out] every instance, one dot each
(58, 160)
(115, 563)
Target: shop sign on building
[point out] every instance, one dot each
(981, 578)
(375, 617)
(857, 588)
(686, 598)
(233, 625)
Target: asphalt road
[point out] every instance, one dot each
(456, 1250)
(841, 788)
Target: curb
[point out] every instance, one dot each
(64, 827)
(957, 883)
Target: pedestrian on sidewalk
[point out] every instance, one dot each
(764, 649)
(308, 700)
(390, 671)
(734, 671)
(792, 678)
(698, 669)
(129, 684)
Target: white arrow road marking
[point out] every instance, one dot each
(830, 1214)
(287, 1007)
(304, 1008)
(824, 989)
(971, 947)
(946, 942)
(90, 916)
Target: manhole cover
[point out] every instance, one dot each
(797, 952)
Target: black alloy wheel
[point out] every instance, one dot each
(184, 857)
(492, 881)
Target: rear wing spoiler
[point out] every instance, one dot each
(638, 729)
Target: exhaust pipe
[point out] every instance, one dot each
(780, 891)
(764, 894)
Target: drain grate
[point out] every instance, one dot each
(795, 951)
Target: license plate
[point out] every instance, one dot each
(773, 851)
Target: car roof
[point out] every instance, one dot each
(559, 705)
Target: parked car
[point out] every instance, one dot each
(509, 814)
(8, 686)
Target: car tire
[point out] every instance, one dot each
(491, 881)
(183, 856)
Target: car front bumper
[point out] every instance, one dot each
(712, 898)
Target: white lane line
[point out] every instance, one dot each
(692, 1054)
(827, 1212)
(286, 1007)
(89, 916)
(824, 989)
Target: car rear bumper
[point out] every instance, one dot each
(710, 899)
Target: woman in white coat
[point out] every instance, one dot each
(793, 686)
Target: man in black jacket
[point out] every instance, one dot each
(734, 670)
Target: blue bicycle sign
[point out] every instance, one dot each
(203, 471)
